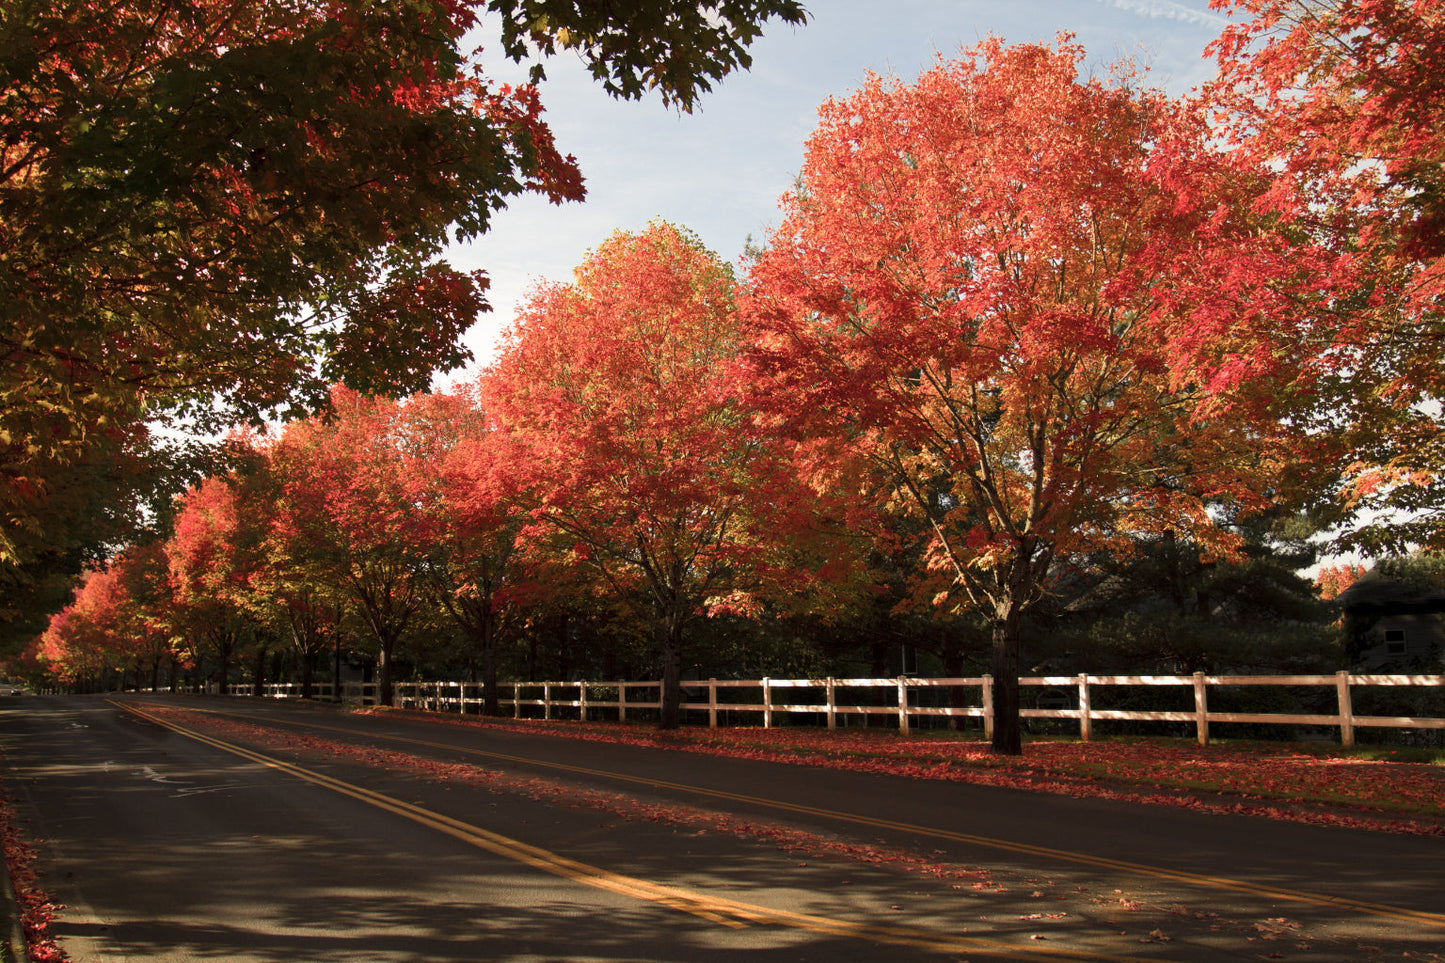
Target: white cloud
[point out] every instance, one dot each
(1169, 10)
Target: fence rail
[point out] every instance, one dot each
(835, 698)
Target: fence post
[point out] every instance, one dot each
(621, 701)
(516, 700)
(832, 706)
(902, 704)
(583, 700)
(767, 703)
(1086, 724)
(988, 707)
(712, 703)
(1347, 712)
(1201, 709)
(547, 701)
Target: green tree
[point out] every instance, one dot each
(1173, 607)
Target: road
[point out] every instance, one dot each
(193, 828)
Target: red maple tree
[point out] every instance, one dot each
(118, 619)
(978, 296)
(460, 480)
(347, 511)
(640, 458)
(215, 555)
(1331, 580)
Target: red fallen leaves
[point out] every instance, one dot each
(555, 793)
(1277, 783)
(37, 912)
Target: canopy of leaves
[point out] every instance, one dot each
(118, 617)
(61, 513)
(677, 47)
(248, 198)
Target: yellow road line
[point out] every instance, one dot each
(716, 909)
(1101, 862)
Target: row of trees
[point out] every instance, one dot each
(607, 456)
(1014, 322)
(420, 532)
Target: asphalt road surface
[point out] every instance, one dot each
(210, 829)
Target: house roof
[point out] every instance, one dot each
(1376, 591)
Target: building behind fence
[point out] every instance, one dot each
(834, 702)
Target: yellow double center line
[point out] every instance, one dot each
(716, 909)
(1420, 917)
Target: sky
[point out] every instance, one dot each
(720, 170)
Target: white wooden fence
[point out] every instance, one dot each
(835, 698)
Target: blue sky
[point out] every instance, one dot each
(720, 170)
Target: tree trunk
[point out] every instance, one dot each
(336, 668)
(491, 705)
(258, 677)
(486, 647)
(307, 656)
(951, 654)
(1007, 740)
(563, 651)
(878, 652)
(223, 672)
(671, 639)
(305, 653)
(383, 673)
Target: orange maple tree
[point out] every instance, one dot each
(1331, 580)
(460, 481)
(976, 295)
(347, 513)
(620, 422)
(216, 558)
(117, 619)
(223, 206)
